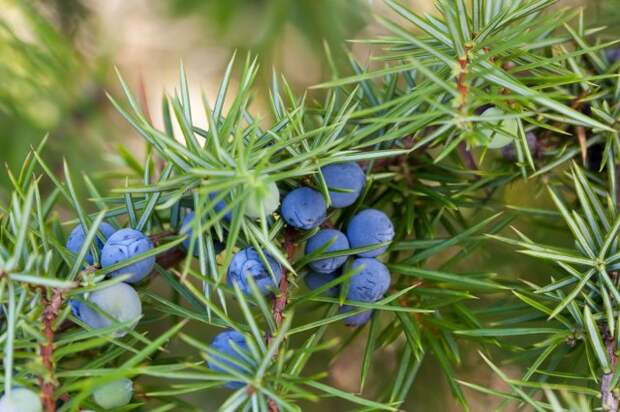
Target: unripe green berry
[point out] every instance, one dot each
(503, 132)
(114, 394)
(265, 197)
(20, 400)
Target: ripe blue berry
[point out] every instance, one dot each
(304, 208)
(337, 240)
(225, 343)
(114, 394)
(356, 320)
(119, 302)
(345, 181)
(510, 153)
(248, 263)
(315, 280)
(123, 245)
(20, 400)
(370, 283)
(221, 205)
(186, 229)
(264, 197)
(370, 227)
(78, 236)
(613, 55)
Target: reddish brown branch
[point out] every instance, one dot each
(280, 301)
(46, 349)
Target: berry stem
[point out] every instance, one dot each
(46, 349)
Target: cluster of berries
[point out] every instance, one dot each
(119, 302)
(305, 208)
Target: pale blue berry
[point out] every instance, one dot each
(315, 280)
(78, 236)
(233, 344)
(370, 227)
(186, 229)
(345, 181)
(249, 263)
(123, 245)
(337, 241)
(356, 320)
(304, 208)
(613, 55)
(370, 283)
(221, 205)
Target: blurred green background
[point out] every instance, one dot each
(57, 59)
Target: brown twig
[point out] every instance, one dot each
(280, 301)
(46, 349)
(609, 396)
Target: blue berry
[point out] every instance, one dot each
(345, 181)
(114, 394)
(338, 242)
(613, 55)
(123, 245)
(78, 236)
(266, 198)
(248, 263)
(510, 152)
(356, 320)
(304, 208)
(20, 400)
(186, 229)
(75, 307)
(370, 227)
(223, 343)
(221, 205)
(370, 283)
(315, 280)
(119, 301)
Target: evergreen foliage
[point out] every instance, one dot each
(421, 127)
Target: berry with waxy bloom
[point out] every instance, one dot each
(118, 302)
(249, 263)
(304, 208)
(186, 229)
(335, 241)
(345, 181)
(315, 280)
(126, 244)
(78, 236)
(233, 344)
(370, 227)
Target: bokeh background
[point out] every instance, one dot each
(57, 60)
